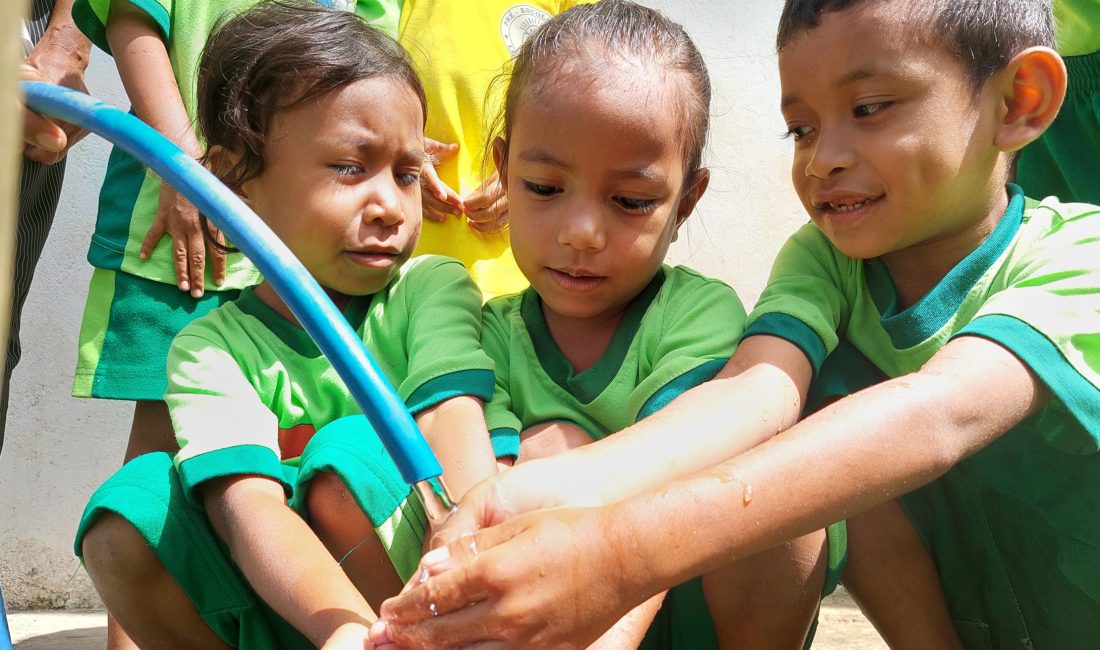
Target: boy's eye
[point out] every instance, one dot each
(643, 206)
(866, 110)
(797, 132)
(346, 170)
(541, 190)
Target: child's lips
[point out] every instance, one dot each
(374, 258)
(846, 210)
(575, 279)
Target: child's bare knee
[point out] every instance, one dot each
(112, 546)
(549, 439)
(768, 599)
(328, 501)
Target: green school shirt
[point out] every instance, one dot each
(1077, 26)
(1015, 528)
(679, 332)
(247, 388)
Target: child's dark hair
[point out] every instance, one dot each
(983, 34)
(617, 28)
(275, 56)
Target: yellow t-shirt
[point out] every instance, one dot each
(459, 48)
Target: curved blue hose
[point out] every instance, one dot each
(305, 298)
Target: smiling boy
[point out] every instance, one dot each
(907, 118)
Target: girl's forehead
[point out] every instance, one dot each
(604, 81)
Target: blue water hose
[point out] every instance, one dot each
(305, 298)
(5, 632)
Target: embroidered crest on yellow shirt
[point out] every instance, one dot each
(518, 23)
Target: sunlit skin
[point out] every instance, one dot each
(595, 202)
(868, 99)
(341, 185)
(928, 207)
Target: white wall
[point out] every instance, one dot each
(58, 449)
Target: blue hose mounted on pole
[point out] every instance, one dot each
(305, 298)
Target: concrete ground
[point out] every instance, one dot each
(842, 628)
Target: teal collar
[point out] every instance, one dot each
(923, 319)
(587, 385)
(291, 334)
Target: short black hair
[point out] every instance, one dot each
(277, 55)
(982, 34)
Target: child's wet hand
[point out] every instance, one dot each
(544, 580)
(493, 501)
(487, 206)
(178, 218)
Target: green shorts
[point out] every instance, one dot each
(1065, 160)
(684, 621)
(147, 493)
(129, 322)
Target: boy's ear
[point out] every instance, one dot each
(1032, 89)
(220, 161)
(693, 191)
(500, 159)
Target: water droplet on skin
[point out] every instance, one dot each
(746, 488)
(433, 610)
(422, 577)
(471, 546)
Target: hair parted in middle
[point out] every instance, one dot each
(616, 28)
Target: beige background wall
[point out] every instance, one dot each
(58, 449)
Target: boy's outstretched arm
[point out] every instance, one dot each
(566, 574)
(284, 561)
(146, 72)
(757, 394)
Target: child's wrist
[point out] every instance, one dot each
(633, 551)
(348, 635)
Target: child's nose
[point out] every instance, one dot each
(583, 230)
(383, 205)
(830, 155)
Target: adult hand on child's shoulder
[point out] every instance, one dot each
(440, 200)
(487, 206)
(177, 217)
(546, 579)
(60, 58)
